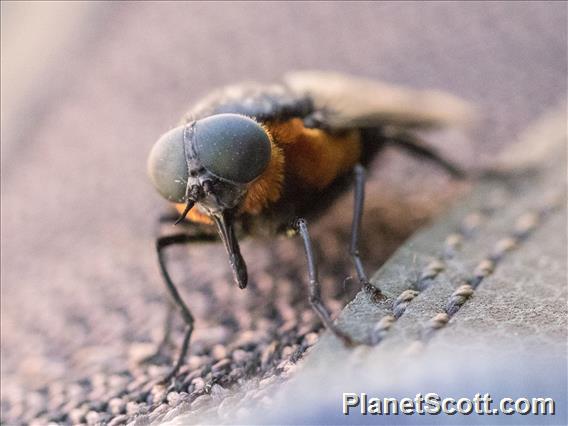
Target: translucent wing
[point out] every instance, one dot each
(350, 102)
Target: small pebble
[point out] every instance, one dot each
(288, 351)
(116, 406)
(268, 354)
(198, 383)
(77, 415)
(306, 329)
(92, 417)
(158, 393)
(310, 339)
(219, 352)
(195, 362)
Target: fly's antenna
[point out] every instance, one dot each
(188, 207)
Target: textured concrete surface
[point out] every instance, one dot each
(79, 279)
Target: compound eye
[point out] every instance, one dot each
(167, 166)
(232, 147)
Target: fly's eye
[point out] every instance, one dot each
(167, 166)
(232, 147)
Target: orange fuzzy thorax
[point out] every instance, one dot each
(314, 156)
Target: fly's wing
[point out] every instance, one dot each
(259, 101)
(350, 102)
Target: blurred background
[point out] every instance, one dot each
(87, 87)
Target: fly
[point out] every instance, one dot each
(256, 159)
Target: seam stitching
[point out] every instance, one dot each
(524, 226)
(453, 243)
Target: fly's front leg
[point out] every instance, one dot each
(162, 353)
(314, 287)
(176, 299)
(358, 208)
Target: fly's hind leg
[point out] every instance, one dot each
(314, 287)
(161, 244)
(359, 202)
(416, 146)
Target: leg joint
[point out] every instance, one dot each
(299, 223)
(354, 251)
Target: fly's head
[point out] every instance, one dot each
(209, 163)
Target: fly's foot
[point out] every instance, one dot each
(374, 293)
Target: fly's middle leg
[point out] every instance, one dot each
(314, 286)
(359, 203)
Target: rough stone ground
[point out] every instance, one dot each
(80, 285)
